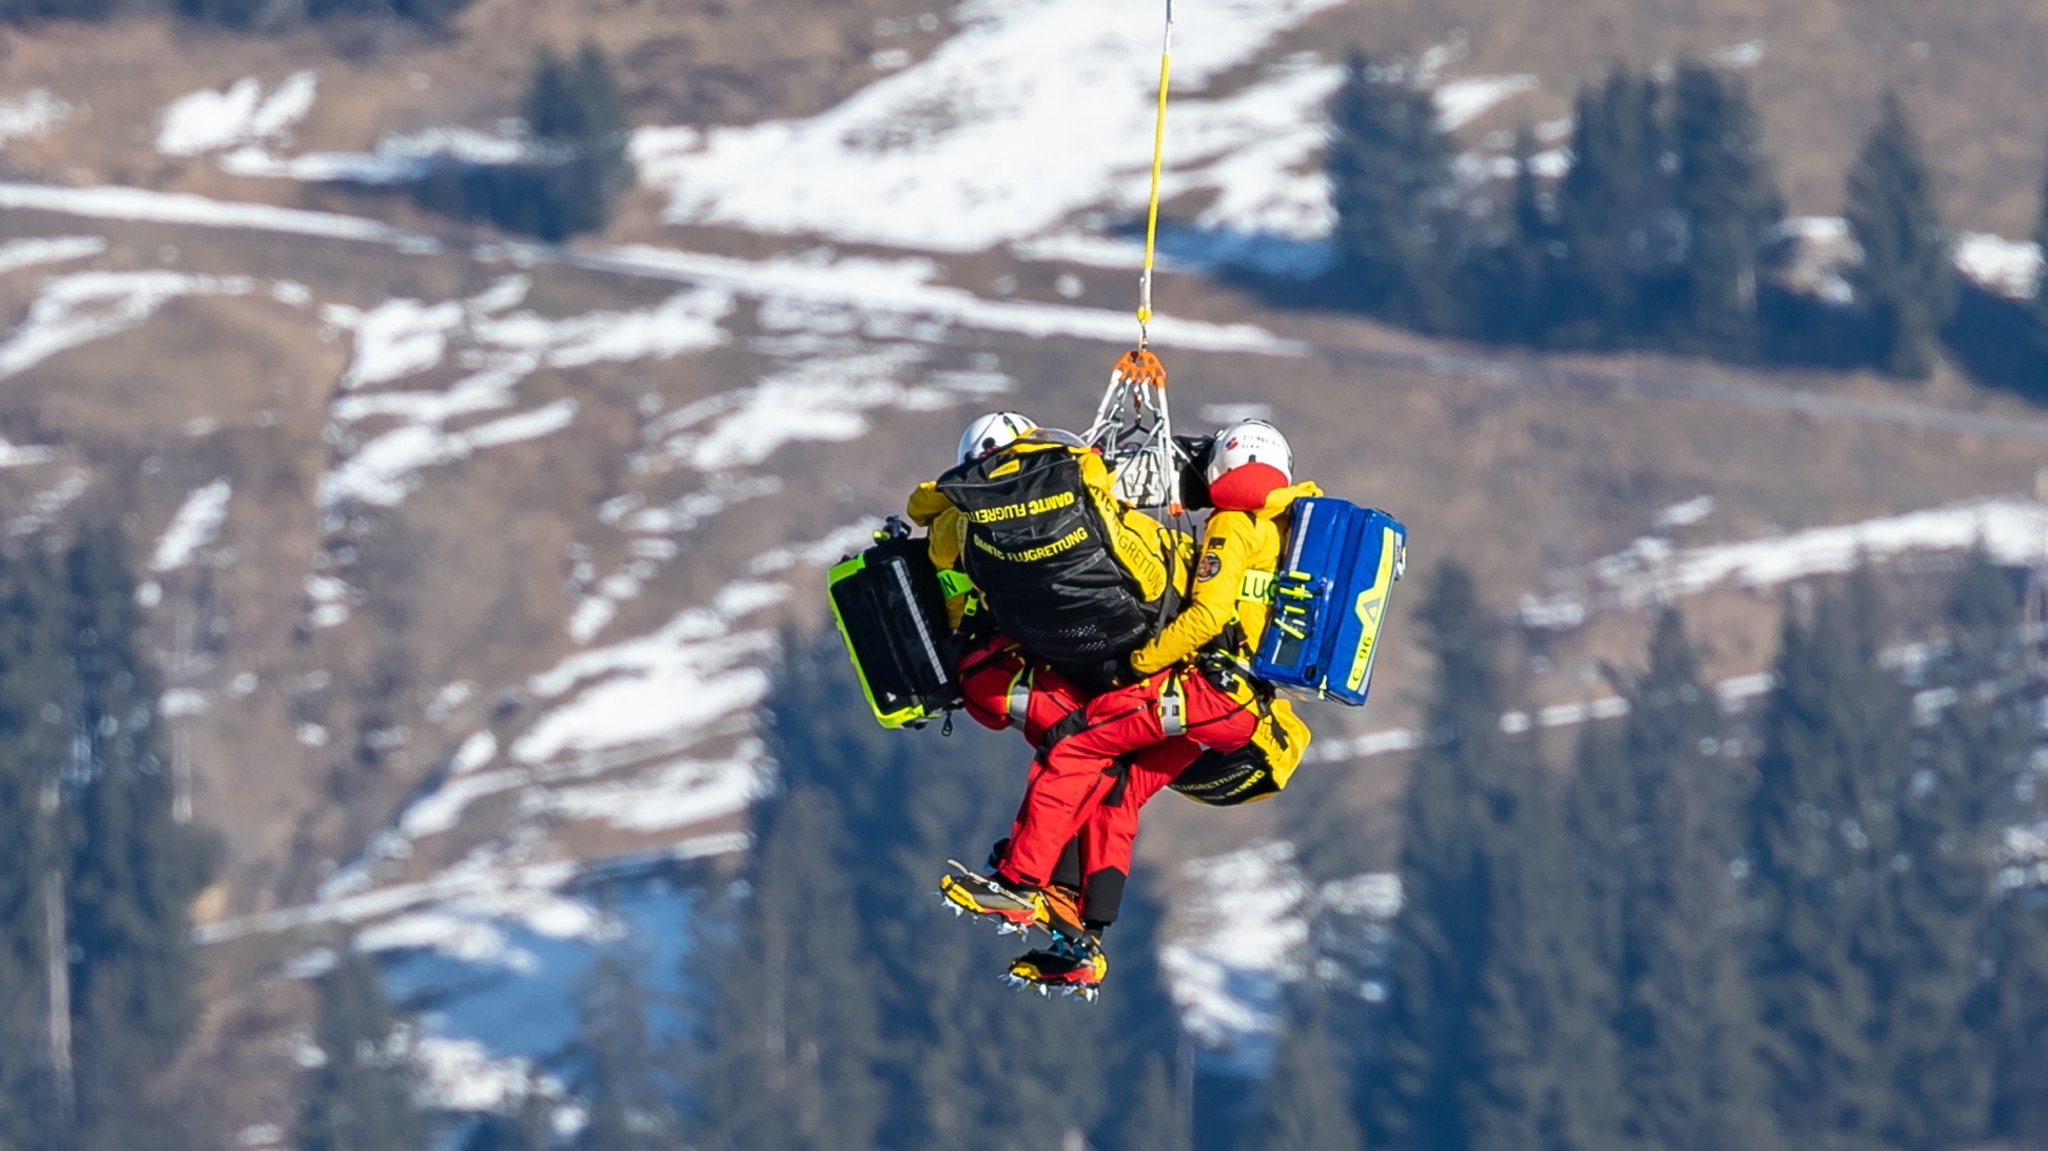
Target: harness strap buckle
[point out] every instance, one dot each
(1173, 709)
(1018, 705)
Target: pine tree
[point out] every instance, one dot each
(1616, 217)
(1823, 835)
(2018, 1025)
(962, 1065)
(1548, 1076)
(81, 780)
(2041, 243)
(1905, 283)
(628, 1102)
(1153, 1121)
(134, 871)
(577, 109)
(1728, 200)
(34, 745)
(1688, 1025)
(1304, 1105)
(1944, 902)
(1510, 273)
(2039, 332)
(1400, 233)
(795, 1031)
(359, 1096)
(1441, 943)
(116, 1110)
(1494, 1033)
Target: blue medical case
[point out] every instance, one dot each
(1330, 598)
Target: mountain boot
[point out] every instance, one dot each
(1014, 909)
(1074, 964)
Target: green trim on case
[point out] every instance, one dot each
(853, 565)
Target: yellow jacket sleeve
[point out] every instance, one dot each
(1212, 604)
(925, 504)
(945, 532)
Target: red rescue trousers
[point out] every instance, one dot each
(1093, 781)
(1000, 689)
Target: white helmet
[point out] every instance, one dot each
(1250, 442)
(991, 432)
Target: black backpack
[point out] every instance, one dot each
(1040, 552)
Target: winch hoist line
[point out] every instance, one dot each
(1133, 429)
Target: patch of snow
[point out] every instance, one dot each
(31, 115)
(332, 600)
(313, 964)
(25, 455)
(816, 400)
(475, 753)
(1745, 55)
(396, 339)
(695, 670)
(878, 288)
(402, 338)
(1551, 164)
(1739, 690)
(1814, 229)
(1650, 571)
(681, 793)
(927, 157)
(720, 494)
(1390, 742)
(398, 159)
(209, 121)
(441, 809)
(1454, 50)
(312, 735)
(46, 505)
(449, 698)
(903, 288)
(494, 988)
(462, 1075)
(387, 470)
(1376, 894)
(1240, 931)
(685, 322)
(195, 526)
(143, 205)
(260, 1135)
(2008, 267)
(592, 616)
(18, 254)
(822, 552)
(459, 937)
(1460, 102)
(504, 294)
(78, 309)
(181, 702)
(1686, 514)
(1217, 415)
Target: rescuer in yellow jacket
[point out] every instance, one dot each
(1152, 559)
(1108, 754)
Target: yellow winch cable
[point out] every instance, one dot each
(1152, 208)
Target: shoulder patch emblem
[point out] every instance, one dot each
(1212, 562)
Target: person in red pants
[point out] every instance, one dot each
(1189, 694)
(1002, 688)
